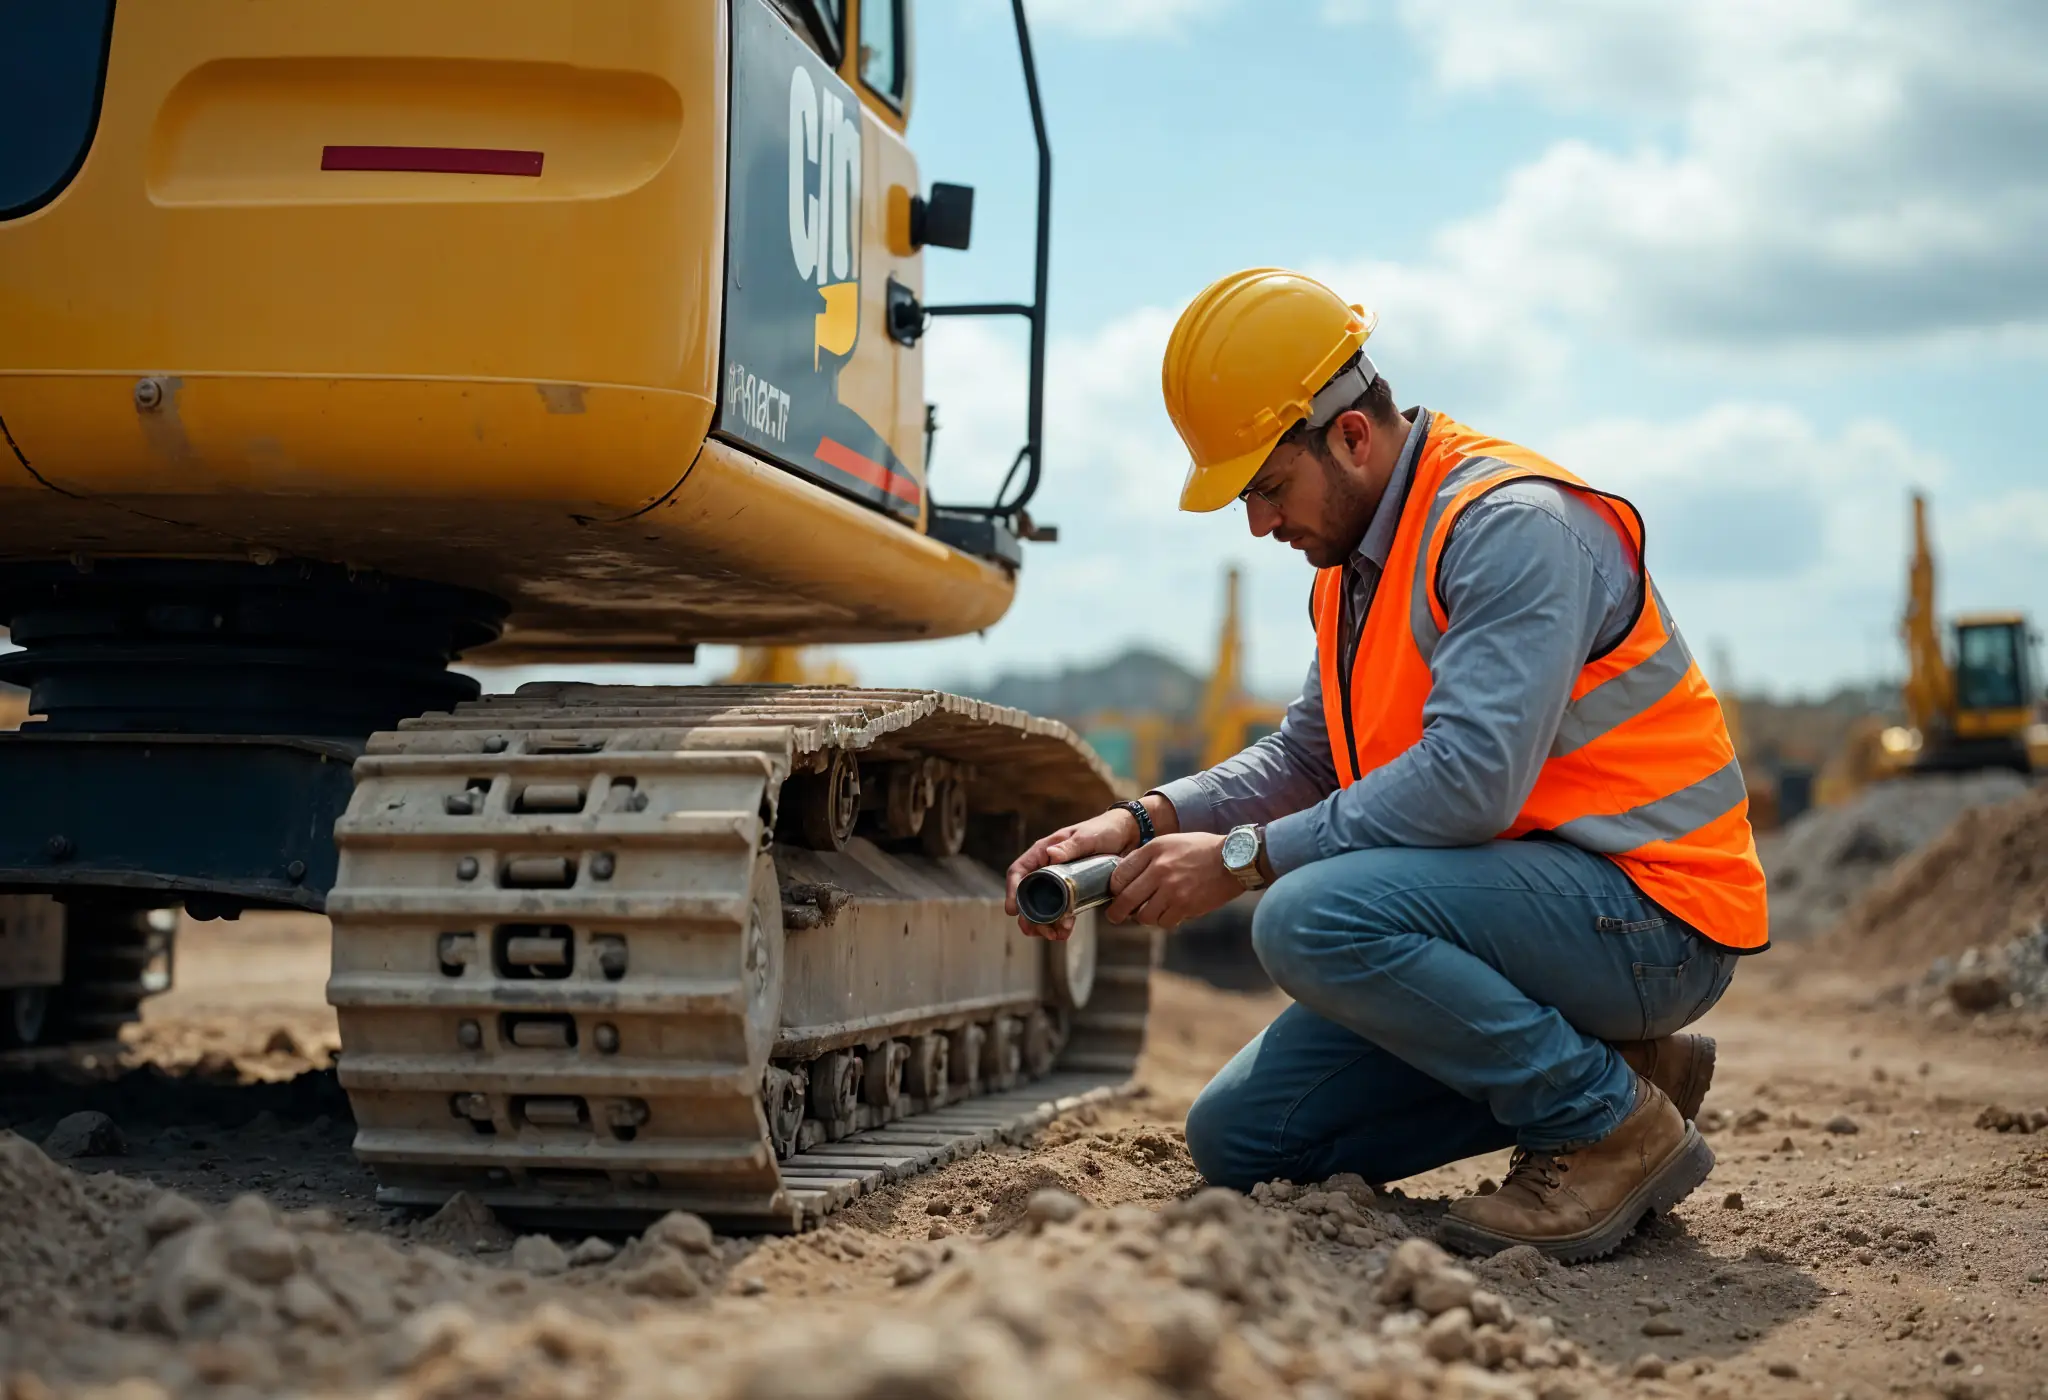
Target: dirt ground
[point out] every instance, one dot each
(1861, 1236)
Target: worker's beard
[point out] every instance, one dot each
(1348, 505)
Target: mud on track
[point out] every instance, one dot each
(1908, 1256)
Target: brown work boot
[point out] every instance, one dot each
(1583, 1204)
(1681, 1065)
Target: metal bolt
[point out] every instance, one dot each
(149, 395)
(607, 1038)
(470, 1034)
(60, 848)
(296, 871)
(602, 865)
(466, 868)
(495, 744)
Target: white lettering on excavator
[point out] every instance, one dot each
(824, 229)
(760, 404)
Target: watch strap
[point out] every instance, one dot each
(1146, 831)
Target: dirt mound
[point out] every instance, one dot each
(1824, 862)
(133, 1281)
(1216, 1296)
(1299, 1290)
(1982, 884)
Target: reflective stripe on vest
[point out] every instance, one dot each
(1641, 768)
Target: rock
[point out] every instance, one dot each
(747, 1286)
(1732, 1201)
(304, 1301)
(171, 1214)
(1490, 1309)
(283, 1042)
(681, 1230)
(1353, 1185)
(912, 1266)
(1980, 989)
(1663, 1325)
(1186, 1329)
(260, 1253)
(666, 1275)
(1785, 1146)
(1052, 1206)
(1412, 1259)
(1444, 1289)
(430, 1335)
(1784, 1370)
(1856, 1234)
(592, 1251)
(1647, 1367)
(87, 1134)
(1952, 1357)
(538, 1254)
(187, 1276)
(1449, 1335)
(1751, 1119)
(1843, 1124)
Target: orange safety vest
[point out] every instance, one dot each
(1642, 769)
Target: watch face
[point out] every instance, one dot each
(1240, 848)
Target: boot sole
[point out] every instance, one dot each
(1677, 1177)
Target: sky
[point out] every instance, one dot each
(1763, 268)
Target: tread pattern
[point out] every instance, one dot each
(559, 948)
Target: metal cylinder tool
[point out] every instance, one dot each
(1050, 893)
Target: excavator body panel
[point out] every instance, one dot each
(583, 307)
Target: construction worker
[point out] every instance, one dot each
(1504, 830)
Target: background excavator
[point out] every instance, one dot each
(339, 340)
(1970, 705)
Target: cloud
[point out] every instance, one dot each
(1117, 19)
(1805, 175)
(1764, 526)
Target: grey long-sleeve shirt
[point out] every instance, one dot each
(1536, 581)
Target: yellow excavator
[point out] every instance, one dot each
(343, 338)
(1148, 748)
(1972, 704)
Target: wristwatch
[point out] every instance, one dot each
(1241, 850)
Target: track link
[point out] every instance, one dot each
(578, 978)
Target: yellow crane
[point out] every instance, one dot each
(1148, 748)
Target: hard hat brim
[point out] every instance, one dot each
(1212, 487)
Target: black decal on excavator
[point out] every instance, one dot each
(793, 275)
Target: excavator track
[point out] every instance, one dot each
(603, 952)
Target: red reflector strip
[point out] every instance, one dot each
(838, 454)
(437, 160)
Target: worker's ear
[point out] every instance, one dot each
(1350, 437)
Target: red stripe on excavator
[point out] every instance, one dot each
(435, 160)
(838, 454)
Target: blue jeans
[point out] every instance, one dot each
(1447, 1003)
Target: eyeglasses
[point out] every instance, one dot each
(1269, 494)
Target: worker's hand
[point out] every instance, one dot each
(1171, 880)
(1110, 834)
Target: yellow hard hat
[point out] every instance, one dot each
(1244, 365)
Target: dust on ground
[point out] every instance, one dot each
(1861, 1236)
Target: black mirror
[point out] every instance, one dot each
(946, 220)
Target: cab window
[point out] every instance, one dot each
(881, 48)
(53, 63)
(820, 21)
